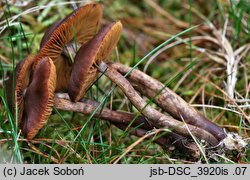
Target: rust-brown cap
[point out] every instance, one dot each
(80, 26)
(21, 81)
(39, 97)
(96, 50)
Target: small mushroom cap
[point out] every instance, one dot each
(92, 53)
(39, 98)
(77, 28)
(21, 81)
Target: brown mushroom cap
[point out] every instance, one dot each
(96, 50)
(80, 26)
(22, 78)
(39, 97)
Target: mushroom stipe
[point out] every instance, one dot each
(169, 101)
(124, 120)
(158, 119)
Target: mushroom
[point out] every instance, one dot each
(33, 93)
(89, 55)
(33, 115)
(39, 98)
(21, 81)
(77, 28)
(92, 56)
(34, 88)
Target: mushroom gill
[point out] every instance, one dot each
(77, 28)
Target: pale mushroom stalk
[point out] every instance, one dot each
(124, 119)
(169, 101)
(177, 107)
(158, 119)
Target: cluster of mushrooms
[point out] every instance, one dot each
(60, 74)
